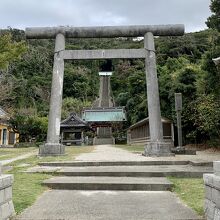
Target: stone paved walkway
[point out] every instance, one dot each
(109, 205)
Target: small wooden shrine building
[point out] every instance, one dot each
(72, 130)
(139, 133)
(101, 120)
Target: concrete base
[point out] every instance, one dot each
(158, 149)
(6, 204)
(51, 149)
(101, 141)
(183, 151)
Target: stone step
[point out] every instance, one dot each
(199, 162)
(137, 171)
(113, 163)
(127, 171)
(109, 183)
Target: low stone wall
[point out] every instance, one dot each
(212, 193)
(6, 204)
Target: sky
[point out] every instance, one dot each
(45, 13)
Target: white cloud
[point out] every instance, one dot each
(23, 13)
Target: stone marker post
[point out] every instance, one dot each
(156, 146)
(6, 204)
(178, 108)
(53, 146)
(212, 193)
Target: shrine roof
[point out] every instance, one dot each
(73, 121)
(145, 120)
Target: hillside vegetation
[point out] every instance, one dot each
(184, 65)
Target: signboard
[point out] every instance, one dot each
(105, 73)
(104, 115)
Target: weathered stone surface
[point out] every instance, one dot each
(109, 183)
(5, 195)
(216, 167)
(8, 193)
(56, 92)
(105, 31)
(217, 214)
(112, 163)
(6, 204)
(49, 149)
(103, 54)
(209, 209)
(216, 181)
(208, 192)
(212, 194)
(2, 194)
(158, 149)
(5, 181)
(129, 171)
(216, 197)
(52, 146)
(7, 210)
(178, 107)
(153, 101)
(208, 179)
(156, 146)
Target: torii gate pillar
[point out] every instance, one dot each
(53, 147)
(156, 146)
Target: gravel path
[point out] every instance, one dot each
(24, 156)
(111, 153)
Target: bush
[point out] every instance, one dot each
(30, 128)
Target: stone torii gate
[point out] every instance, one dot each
(157, 146)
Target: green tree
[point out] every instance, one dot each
(10, 50)
(214, 20)
(30, 127)
(73, 105)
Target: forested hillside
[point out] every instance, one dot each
(184, 65)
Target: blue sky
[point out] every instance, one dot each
(28, 13)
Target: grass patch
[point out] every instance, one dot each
(132, 148)
(28, 187)
(9, 153)
(191, 191)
